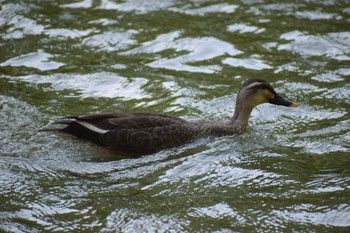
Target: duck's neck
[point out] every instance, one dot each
(240, 119)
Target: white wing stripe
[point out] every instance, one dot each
(92, 127)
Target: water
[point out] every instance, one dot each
(185, 58)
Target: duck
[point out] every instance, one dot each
(144, 133)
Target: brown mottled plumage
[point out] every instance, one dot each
(146, 133)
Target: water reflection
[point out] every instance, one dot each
(250, 63)
(136, 6)
(243, 28)
(333, 45)
(39, 60)
(317, 15)
(62, 33)
(82, 4)
(17, 25)
(197, 49)
(132, 221)
(111, 41)
(304, 214)
(98, 84)
(215, 8)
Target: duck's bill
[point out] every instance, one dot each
(279, 100)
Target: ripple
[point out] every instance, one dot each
(328, 77)
(104, 22)
(39, 60)
(162, 42)
(249, 63)
(207, 170)
(306, 213)
(333, 45)
(244, 28)
(111, 40)
(216, 108)
(317, 15)
(10, 10)
(82, 4)
(330, 182)
(215, 8)
(128, 220)
(136, 6)
(217, 211)
(93, 85)
(305, 88)
(282, 6)
(63, 33)
(341, 94)
(310, 114)
(17, 25)
(339, 128)
(198, 49)
(320, 147)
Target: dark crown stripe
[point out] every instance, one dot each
(259, 85)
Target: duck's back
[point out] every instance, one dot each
(131, 133)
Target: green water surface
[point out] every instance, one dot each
(291, 173)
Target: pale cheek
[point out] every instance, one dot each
(265, 100)
(260, 100)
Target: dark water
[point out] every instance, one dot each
(184, 58)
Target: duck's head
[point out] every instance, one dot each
(253, 92)
(257, 91)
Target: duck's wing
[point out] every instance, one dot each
(109, 121)
(142, 141)
(127, 133)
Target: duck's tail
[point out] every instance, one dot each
(73, 129)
